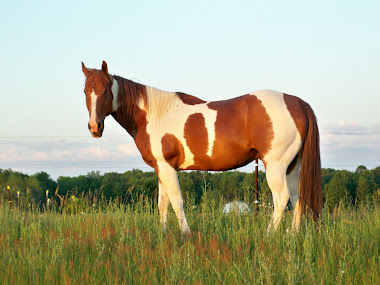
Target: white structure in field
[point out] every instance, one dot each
(236, 207)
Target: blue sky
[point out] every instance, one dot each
(326, 52)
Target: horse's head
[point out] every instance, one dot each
(98, 97)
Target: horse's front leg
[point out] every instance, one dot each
(168, 177)
(163, 204)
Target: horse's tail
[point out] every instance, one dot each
(310, 181)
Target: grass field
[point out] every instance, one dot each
(125, 245)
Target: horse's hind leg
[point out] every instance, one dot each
(169, 179)
(293, 185)
(276, 177)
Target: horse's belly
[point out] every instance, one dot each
(230, 158)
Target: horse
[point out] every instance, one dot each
(175, 131)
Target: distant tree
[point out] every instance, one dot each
(376, 172)
(348, 178)
(45, 181)
(187, 188)
(360, 169)
(200, 180)
(150, 185)
(363, 191)
(82, 183)
(265, 193)
(366, 186)
(113, 185)
(94, 180)
(336, 192)
(65, 184)
(37, 193)
(327, 175)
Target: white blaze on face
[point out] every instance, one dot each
(93, 108)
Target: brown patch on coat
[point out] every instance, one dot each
(243, 132)
(189, 99)
(172, 150)
(298, 114)
(142, 140)
(196, 135)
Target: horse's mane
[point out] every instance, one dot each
(130, 94)
(158, 101)
(154, 101)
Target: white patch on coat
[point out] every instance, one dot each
(287, 140)
(167, 114)
(115, 92)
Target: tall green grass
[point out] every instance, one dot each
(117, 244)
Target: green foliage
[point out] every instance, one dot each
(339, 186)
(336, 191)
(366, 186)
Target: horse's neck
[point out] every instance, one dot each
(135, 103)
(126, 97)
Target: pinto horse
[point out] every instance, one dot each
(175, 131)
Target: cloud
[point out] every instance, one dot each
(346, 145)
(74, 150)
(40, 155)
(128, 149)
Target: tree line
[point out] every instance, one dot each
(339, 186)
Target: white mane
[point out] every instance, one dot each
(159, 102)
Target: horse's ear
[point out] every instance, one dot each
(85, 70)
(104, 67)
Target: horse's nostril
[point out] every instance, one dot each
(89, 127)
(99, 125)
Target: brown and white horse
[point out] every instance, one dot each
(175, 131)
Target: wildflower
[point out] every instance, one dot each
(18, 194)
(8, 187)
(47, 192)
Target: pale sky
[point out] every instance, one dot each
(325, 52)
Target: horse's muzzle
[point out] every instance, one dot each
(96, 129)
